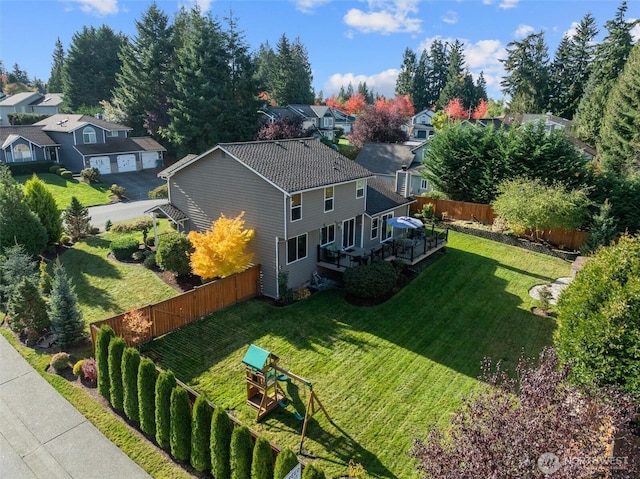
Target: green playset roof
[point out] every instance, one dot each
(256, 357)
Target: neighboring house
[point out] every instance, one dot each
(81, 141)
(344, 120)
(399, 164)
(300, 196)
(420, 126)
(29, 102)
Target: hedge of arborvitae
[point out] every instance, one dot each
(285, 461)
(147, 396)
(180, 429)
(221, 429)
(262, 463)
(312, 472)
(103, 338)
(116, 395)
(164, 385)
(130, 365)
(241, 453)
(201, 435)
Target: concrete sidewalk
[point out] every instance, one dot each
(43, 436)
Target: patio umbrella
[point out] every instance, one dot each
(405, 222)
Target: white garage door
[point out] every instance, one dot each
(149, 159)
(126, 163)
(103, 163)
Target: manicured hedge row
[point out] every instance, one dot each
(29, 167)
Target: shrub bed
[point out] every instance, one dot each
(375, 280)
(123, 248)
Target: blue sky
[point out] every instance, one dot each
(347, 40)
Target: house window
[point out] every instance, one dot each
(297, 248)
(328, 199)
(375, 226)
(89, 135)
(424, 184)
(112, 134)
(296, 207)
(328, 122)
(359, 188)
(21, 152)
(387, 231)
(327, 235)
(349, 233)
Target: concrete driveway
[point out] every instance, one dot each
(137, 183)
(123, 211)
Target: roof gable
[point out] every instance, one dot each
(381, 198)
(386, 158)
(68, 123)
(33, 134)
(26, 97)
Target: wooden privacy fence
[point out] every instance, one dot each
(190, 306)
(460, 210)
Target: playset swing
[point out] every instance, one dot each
(264, 392)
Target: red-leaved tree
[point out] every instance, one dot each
(282, 129)
(535, 425)
(333, 102)
(378, 126)
(455, 110)
(480, 110)
(401, 105)
(356, 104)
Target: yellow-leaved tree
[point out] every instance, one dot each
(221, 250)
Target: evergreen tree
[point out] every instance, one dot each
(103, 339)
(67, 325)
(292, 77)
(221, 429)
(363, 90)
(18, 224)
(180, 429)
(264, 61)
(54, 85)
(76, 219)
(164, 385)
(285, 462)
(571, 68)
(44, 278)
(603, 229)
(455, 83)
(619, 148)
(40, 200)
(610, 56)
(201, 435)
(27, 309)
(527, 76)
(130, 365)
(145, 80)
(420, 93)
(437, 72)
(116, 393)
(480, 90)
(241, 453)
(18, 75)
(201, 80)
(15, 265)
(146, 396)
(262, 463)
(407, 74)
(91, 66)
(312, 472)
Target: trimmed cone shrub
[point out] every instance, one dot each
(180, 430)
(285, 461)
(164, 385)
(116, 394)
(146, 396)
(241, 453)
(221, 429)
(103, 338)
(262, 464)
(312, 472)
(130, 365)
(201, 435)
(123, 248)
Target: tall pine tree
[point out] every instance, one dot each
(527, 76)
(54, 85)
(67, 325)
(407, 74)
(291, 77)
(145, 80)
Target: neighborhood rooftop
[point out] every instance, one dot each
(63, 122)
(381, 198)
(387, 158)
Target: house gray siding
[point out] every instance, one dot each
(37, 153)
(206, 191)
(69, 157)
(371, 243)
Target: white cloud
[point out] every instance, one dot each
(506, 4)
(572, 30)
(451, 17)
(386, 17)
(98, 7)
(523, 30)
(635, 31)
(308, 6)
(383, 83)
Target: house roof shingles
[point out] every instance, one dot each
(31, 133)
(381, 198)
(68, 123)
(120, 145)
(387, 158)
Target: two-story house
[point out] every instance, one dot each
(29, 102)
(419, 125)
(78, 142)
(298, 195)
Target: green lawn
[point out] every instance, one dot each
(106, 287)
(62, 190)
(385, 373)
